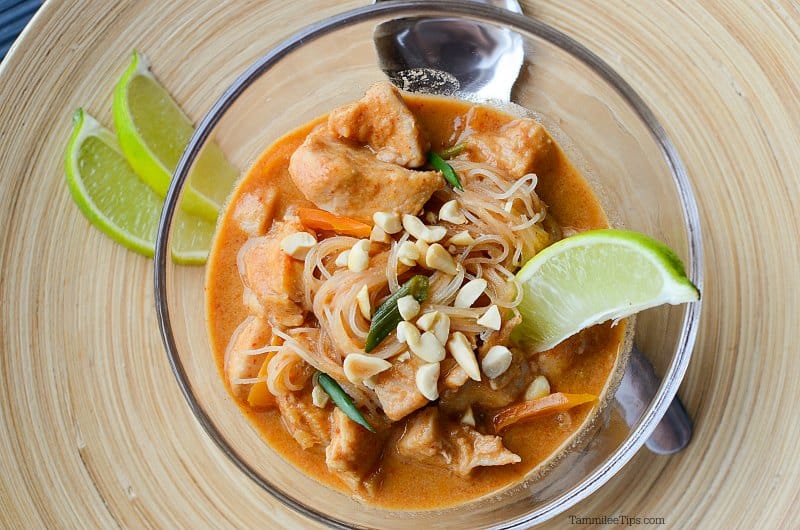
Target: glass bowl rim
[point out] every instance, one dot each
(487, 13)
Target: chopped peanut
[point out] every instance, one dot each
(389, 222)
(408, 254)
(438, 258)
(462, 239)
(461, 350)
(358, 259)
(358, 367)
(408, 307)
(471, 291)
(363, 302)
(427, 378)
(491, 318)
(496, 361)
(428, 348)
(451, 213)
(298, 244)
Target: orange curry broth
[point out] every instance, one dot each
(570, 201)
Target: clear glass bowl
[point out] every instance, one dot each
(609, 132)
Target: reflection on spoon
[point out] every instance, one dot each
(636, 390)
(445, 55)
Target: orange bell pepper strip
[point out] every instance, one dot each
(536, 408)
(322, 220)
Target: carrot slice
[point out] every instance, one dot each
(536, 408)
(322, 220)
(259, 397)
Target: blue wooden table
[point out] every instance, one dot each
(14, 15)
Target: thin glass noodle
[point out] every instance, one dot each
(498, 205)
(326, 250)
(314, 356)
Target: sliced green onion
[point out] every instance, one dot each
(453, 150)
(447, 170)
(387, 316)
(342, 400)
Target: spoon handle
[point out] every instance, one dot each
(636, 390)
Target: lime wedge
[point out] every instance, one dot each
(115, 200)
(153, 132)
(594, 277)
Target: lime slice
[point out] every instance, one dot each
(594, 277)
(115, 200)
(153, 132)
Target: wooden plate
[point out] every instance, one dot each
(94, 430)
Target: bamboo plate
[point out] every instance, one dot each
(95, 432)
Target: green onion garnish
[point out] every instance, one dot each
(387, 316)
(447, 170)
(342, 400)
(453, 150)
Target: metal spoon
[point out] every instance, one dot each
(445, 55)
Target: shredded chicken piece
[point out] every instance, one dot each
(460, 448)
(308, 424)
(382, 120)
(251, 334)
(353, 453)
(514, 149)
(350, 181)
(273, 278)
(397, 391)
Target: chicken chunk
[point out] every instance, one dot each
(502, 336)
(308, 425)
(382, 120)
(454, 375)
(253, 211)
(555, 362)
(432, 440)
(349, 180)
(353, 453)
(514, 149)
(397, 391)
(273, 279)
(489, 393)
(251, 334)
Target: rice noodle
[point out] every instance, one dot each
(527, 224)
(245, 380)
(259, 351)
(280, 363)
(328, 249)
(517, 185)
(446, 293)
